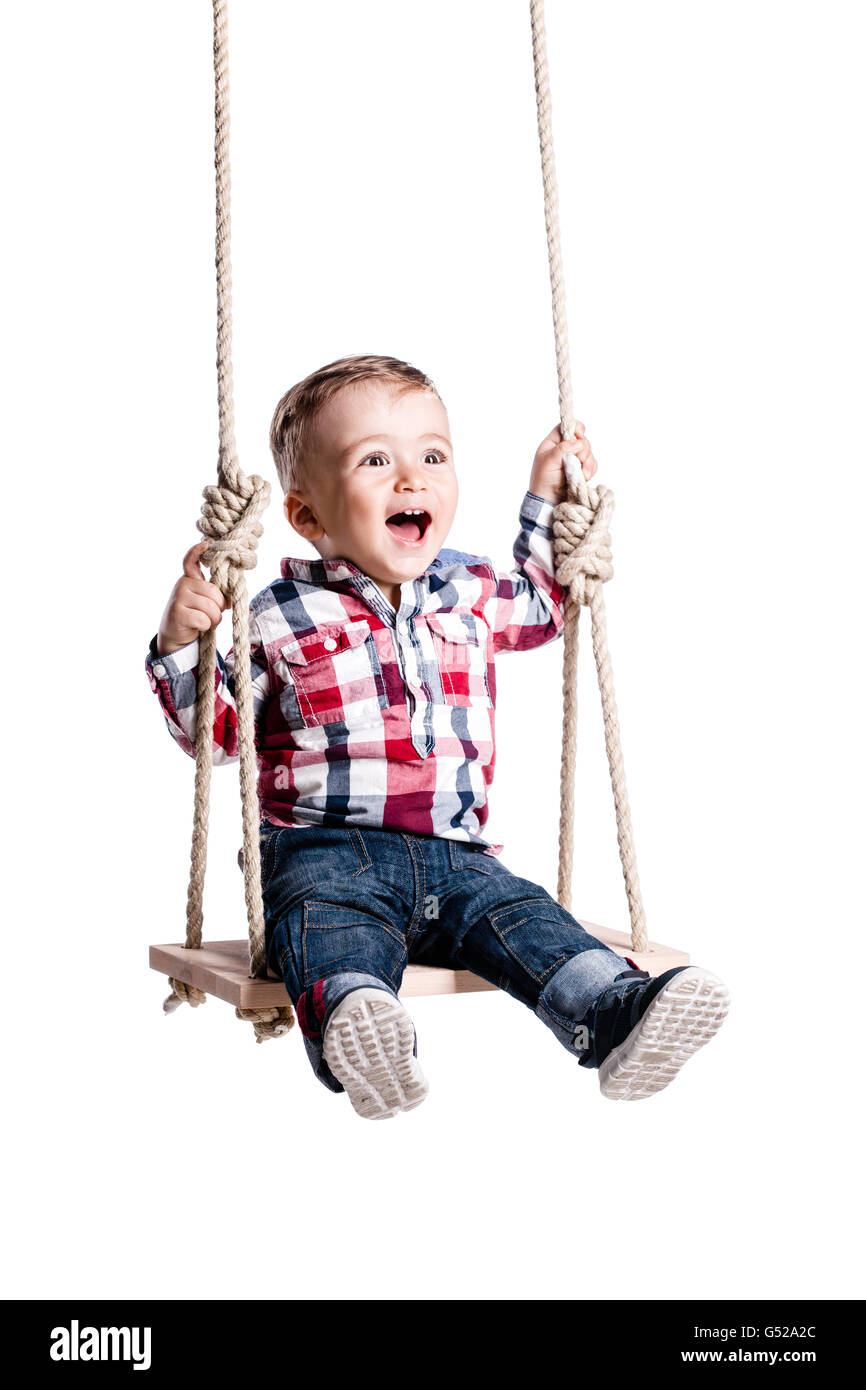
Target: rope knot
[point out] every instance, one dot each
(268, 1023)
(182, 994)
(581, 537)
(230, 519)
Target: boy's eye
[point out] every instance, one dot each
(378, 459)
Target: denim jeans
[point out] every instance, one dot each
(346, 908)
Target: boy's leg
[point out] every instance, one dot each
(322, 961)
(636, 1030)
(331, 933)
(512, 932)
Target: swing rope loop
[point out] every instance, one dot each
(581, 547)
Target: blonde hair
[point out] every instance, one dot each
(291, 427)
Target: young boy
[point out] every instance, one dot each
(374, 691)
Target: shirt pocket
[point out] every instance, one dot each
(460, 648)
(334, 679)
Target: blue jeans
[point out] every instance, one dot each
(346, 908)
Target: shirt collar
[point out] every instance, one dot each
(327, 573)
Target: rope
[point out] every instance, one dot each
(230, 520)
(267, 1023)
(581, 547)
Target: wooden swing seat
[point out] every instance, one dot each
(221, 968)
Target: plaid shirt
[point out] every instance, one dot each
(369, 717)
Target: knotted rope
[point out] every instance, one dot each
(230, 520)
(581, 547)
(268, 1023)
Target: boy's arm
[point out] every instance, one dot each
(526, 608)
(174, 680)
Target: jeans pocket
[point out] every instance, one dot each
(300, 861)
(535, 933)
(336, 938)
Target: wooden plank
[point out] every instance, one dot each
(656, 959)
(221, 968)
(434, 979)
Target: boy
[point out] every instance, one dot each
(374, 693)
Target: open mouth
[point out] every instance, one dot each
(409, 526)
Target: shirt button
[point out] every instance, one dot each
(329, 644)
(159, 672)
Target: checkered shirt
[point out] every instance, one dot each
(370, 717)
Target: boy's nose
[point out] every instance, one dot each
(410, 479)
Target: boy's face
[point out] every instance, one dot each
(375, 454)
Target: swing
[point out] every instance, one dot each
(238, 971)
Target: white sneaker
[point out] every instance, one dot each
(368, 1045)
(648, 1030)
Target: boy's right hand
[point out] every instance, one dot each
(194, 606)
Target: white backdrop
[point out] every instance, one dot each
(387, 198)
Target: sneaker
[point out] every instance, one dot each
(369, 1045)
(643, 1032)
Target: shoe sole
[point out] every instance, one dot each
(368, 1046)
(682, 1017)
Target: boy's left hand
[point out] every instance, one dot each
(548, 471)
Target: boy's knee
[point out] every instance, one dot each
(340, 936)
(314, 939)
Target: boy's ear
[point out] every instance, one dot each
(301, 517)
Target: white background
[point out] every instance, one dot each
(387, 198)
